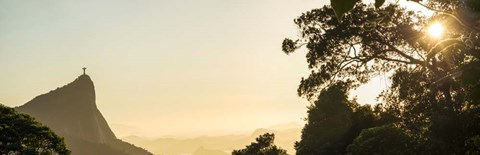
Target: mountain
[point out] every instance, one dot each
(178, 146)
(204, 151)
(286, 126)
(71, 112)
(284, 138)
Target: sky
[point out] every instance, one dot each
(176, 67)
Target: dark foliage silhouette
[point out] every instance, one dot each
(21, 134)
(333, 122)
(263, 146)
(432, 104)
(329, 121)
(378, 140)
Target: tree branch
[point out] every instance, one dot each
(461, 22)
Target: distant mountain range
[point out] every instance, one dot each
(285, 137)
(71, 112)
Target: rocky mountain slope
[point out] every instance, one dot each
(72, 113)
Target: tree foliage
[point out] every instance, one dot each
(342, 7)
(386, 139)
(263, 146)
(355, 49)
(433, 100)
(329, 121)
(333, 122)
(21, 134)
(473, 145)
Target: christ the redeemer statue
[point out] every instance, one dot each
(84, 68)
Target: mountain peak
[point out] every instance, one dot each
(79, 93)
(71, 112)
(82, 83)
(71, 109)
(84, 77)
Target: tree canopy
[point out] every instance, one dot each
(433, 99)
(21, 134)
(263, 146)
(386, 139)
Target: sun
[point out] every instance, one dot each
(435, 30)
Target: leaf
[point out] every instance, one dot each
(289, 46)
(379, 3)
(342, 6)
(474, 5)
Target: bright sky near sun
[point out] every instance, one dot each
(435, 30)
(162, 67)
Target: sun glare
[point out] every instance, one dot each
(435, 30)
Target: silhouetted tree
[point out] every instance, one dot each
(328, 123)
(378, 140)
(465, 12)
(21, 134)
(263, 146)
(473, 145)
(333, 122)
(434, 96)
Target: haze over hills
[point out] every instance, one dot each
(285, 136)
(71, 112)
(203, 151)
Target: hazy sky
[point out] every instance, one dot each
(161, 67)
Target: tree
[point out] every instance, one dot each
(378, 140)
(445, 7)
(435, 82)
(355, 49)
(328, 123)
(263, 146)
(473, 145)
(333, 122)
(21, 134)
